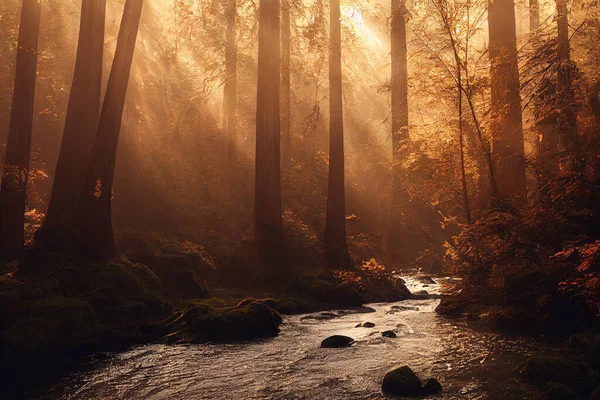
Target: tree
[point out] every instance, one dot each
(92, 222)
(286, 142)
(80, 125)
(18, 147)
(534, 15)
(567, 120)
(230, 91)
(506, 118)
(269, 247)
(336, 248)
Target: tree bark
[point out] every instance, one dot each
(269, 250)
(286, 141)
(80, 126)
(93, 219)
(18, 147)
(336, 248)
(230, 93)
(567, 118)
(506, 116)
(534, 15)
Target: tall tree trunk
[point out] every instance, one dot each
(269, 252)
(506, 117)
(567, 119)
(230, 94)
(461, 141)
(18, 147)
(93, 218)
(336, 247)
(286, 141)
(80, 125)
(394, 244)
(534, 15)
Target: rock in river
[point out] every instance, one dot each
(426, 279)
(402, 382)
(431, 386)
(389, 334)
(337, 341)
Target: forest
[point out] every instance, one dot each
(300, 199)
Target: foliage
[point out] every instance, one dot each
(539, 262)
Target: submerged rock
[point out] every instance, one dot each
(431, 386)
(402, 382)
(425, 279)
(337, 341)
(368, 325)
(389, 334)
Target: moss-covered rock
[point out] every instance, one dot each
(200, 322)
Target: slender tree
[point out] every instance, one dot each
(269, 248)
(93, 222)
(336, 247)
(506, 116)
(18, 147)
(80, 125)
(230, 92)
(567, 120)
(286, 142)
(534, 15)
(393, 244)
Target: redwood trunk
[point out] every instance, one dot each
(567, 118)
(93, 219)
(269, 252)
(80, 125)
(18, 147)
(286, 141)
(230, 93)
(506, 116)
(534, 15)
(336, 247)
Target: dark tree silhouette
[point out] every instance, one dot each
(286, 141)
(506, 116)
(269, 248)
(18, 147)
(80, 125)
(93, 222)
(230, 93)
(336, 247)
(567, 120)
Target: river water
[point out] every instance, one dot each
(469, 364)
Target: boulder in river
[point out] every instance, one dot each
(389, 334)
(426, 279)
(431, 386)
(402, 382)
(368, 325)
(337, 341)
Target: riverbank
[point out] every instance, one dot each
(54, 314)
(470, 364)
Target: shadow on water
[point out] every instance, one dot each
(468, 363)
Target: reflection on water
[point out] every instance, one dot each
(293, 366)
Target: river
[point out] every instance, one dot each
(469, 364)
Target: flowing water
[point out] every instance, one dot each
(469, 364)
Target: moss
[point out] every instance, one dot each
(181, 265)
(201, 321)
